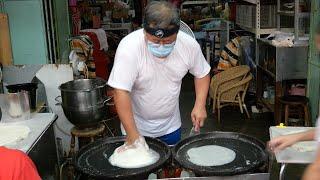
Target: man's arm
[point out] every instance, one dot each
(123, 104)
(199, 113)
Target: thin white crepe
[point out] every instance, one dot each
(211, 155)
(11, 134)
(134, 158)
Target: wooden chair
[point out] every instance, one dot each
(301, 102)
(229, 88)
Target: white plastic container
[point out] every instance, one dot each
(17, 106)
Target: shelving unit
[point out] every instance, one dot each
(286, 63)
(257, 30)
(289, 62)
(297, 14)
(195, 3)
(252, 1)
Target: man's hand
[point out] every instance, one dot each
(279, 143)
(132, 138)
(198, 116)
(139, 142)
(199, 112)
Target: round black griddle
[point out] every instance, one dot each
(250, 153)
(93, 159)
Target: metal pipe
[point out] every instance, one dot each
(282, 171)
(61, 168)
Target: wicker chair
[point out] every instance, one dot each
(229, 88)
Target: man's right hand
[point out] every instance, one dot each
(132, 138)
(139, 142)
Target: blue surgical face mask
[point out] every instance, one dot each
(159, 50)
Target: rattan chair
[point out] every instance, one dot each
(229, 88)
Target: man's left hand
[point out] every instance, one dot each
(198, 116)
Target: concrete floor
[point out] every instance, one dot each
(232, 121)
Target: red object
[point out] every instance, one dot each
(100, 58)
(76, 20)
(96, 21)
(177, 3)
(233, 14)
(16, 165)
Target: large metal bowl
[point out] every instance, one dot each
(83, 101)
(85, 116)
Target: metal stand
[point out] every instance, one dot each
(282, 171)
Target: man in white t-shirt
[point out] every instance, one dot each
(147, 74)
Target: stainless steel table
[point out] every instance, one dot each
(40, 143)
(290, 155)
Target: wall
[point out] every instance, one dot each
(313, 90)
(27, 31)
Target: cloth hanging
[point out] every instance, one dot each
(102, 37)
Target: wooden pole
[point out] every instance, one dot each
(5, 43)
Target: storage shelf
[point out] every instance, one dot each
(196, 2)
(251, 1)
(286, 13)
(299, 43)
(260, 31)
(291, 13)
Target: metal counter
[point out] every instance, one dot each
(290, 62)
(44, 155)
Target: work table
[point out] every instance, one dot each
(40, 144)
(38, 125)
(290, 155)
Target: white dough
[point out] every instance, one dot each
(211, 155)
(134, 158)
(10, 134)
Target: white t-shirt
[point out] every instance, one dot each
(154, 84)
